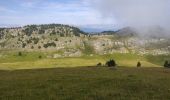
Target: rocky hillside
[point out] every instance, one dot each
(71, 41)
(38, 36)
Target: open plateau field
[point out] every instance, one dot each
(86, 83)
(35, 60)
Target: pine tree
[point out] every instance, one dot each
(138, 64)
(166, 64)
(111, 63)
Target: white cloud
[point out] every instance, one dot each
(135, 12)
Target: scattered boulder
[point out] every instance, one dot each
(57, 56)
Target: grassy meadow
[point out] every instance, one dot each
(35, 76)
(86, 83)
(36, 60)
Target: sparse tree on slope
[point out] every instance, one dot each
(166, 64)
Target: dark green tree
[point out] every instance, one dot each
(41, 31)
(40, 57)
(99, 64)
(111, 63)
(39, 47)
(61, 35)
(24, 45)
(52, 44)
(166, 64)
(19, 53)
(29, 29)
(56, 39)
(53, 32)
(138, 64)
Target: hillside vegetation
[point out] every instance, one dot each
(75, 43)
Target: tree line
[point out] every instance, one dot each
(29, 29)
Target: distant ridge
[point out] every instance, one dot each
(97, 28)
(9, 25)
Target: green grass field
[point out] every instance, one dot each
(86, 83)
(24, 77)
(31, 60)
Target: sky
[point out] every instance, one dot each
(119, 13)
(76, 12)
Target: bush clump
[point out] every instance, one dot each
(167, 64)
(111, 63)
(99, 64)
(19, 53)
(40, 57)
(139, 64)
(49, 45)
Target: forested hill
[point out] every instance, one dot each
(52, 29)
(41, 37)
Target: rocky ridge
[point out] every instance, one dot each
(71, 41)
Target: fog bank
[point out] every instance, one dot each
(139, 14)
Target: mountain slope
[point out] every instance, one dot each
(71, 41)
